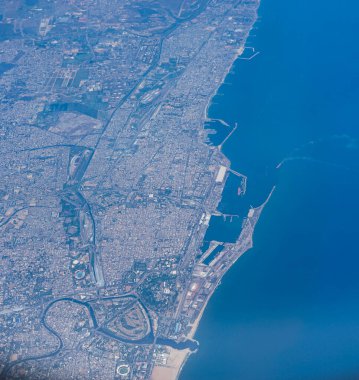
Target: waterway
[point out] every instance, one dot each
(289, 308)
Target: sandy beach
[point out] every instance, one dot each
(172, 369)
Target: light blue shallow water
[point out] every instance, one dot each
(289, 308)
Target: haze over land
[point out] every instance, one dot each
(110, 182)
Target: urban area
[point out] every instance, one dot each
(109, 182)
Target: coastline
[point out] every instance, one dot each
(257, 212)
(206, 117)
(288, 292)
(175, 361)
(227, 72)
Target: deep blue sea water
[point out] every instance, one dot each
(289, 308)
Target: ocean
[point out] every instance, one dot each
(288, 309)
